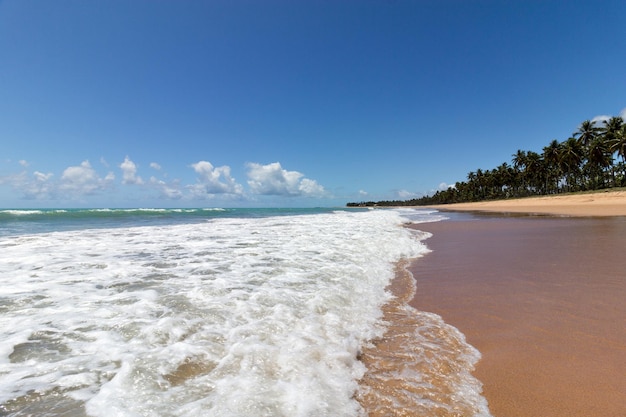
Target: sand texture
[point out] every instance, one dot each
(542, 298)
(610, 203)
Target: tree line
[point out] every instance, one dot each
(592, 158)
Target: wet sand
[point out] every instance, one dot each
(543, 299)
(421, 366)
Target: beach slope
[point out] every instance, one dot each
(541, 297)
(609, 203)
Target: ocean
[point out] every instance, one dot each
(222, 312)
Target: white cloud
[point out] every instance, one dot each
(406, 195)
(272, 179)
(83, 179)
(214, 180)
(23, 163)
(443, 186)
(37, 187)
(310, 187)
(129, 172)
(169, 191)
(598, 120)
(363, 193)
(41, 177)
(75, 181)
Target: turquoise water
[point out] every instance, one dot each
(25, 221)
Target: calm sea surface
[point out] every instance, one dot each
(220, 312)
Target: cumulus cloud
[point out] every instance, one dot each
(214, 180)
(37, 186)
(41, 177)
(169, 191)
(272, 179)
(598, 120)
(129, 172)
(406, 195)
(23, 163)
(83, 179)
(444, 186)
(363, 193)
(310, 187)
(75, 181)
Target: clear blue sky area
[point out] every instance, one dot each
(289, 103)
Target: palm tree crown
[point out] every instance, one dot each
(584, 161)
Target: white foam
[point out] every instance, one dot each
(21, 212)
(229, 317)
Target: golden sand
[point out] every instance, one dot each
(541, 297)
(609, 203)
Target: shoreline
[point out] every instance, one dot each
(421, 365)
(541, 297)
(595, 204)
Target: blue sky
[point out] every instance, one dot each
(289, 103)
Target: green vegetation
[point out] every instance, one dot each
(593, 158)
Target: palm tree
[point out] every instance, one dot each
(479, 182)
(618, 142)
(617, 145)
(570, 158)
(552, 158)
(586, 132)
(470, 188)
(505, 179)
(535, 172)
(612, 127)
(599, 160)
(584, 160)
(520, 161)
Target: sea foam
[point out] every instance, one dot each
(231, 317)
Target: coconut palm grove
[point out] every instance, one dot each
(593, 158)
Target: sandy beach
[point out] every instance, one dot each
(541, 297)
(609, 203)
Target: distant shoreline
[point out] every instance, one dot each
(593, 204)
